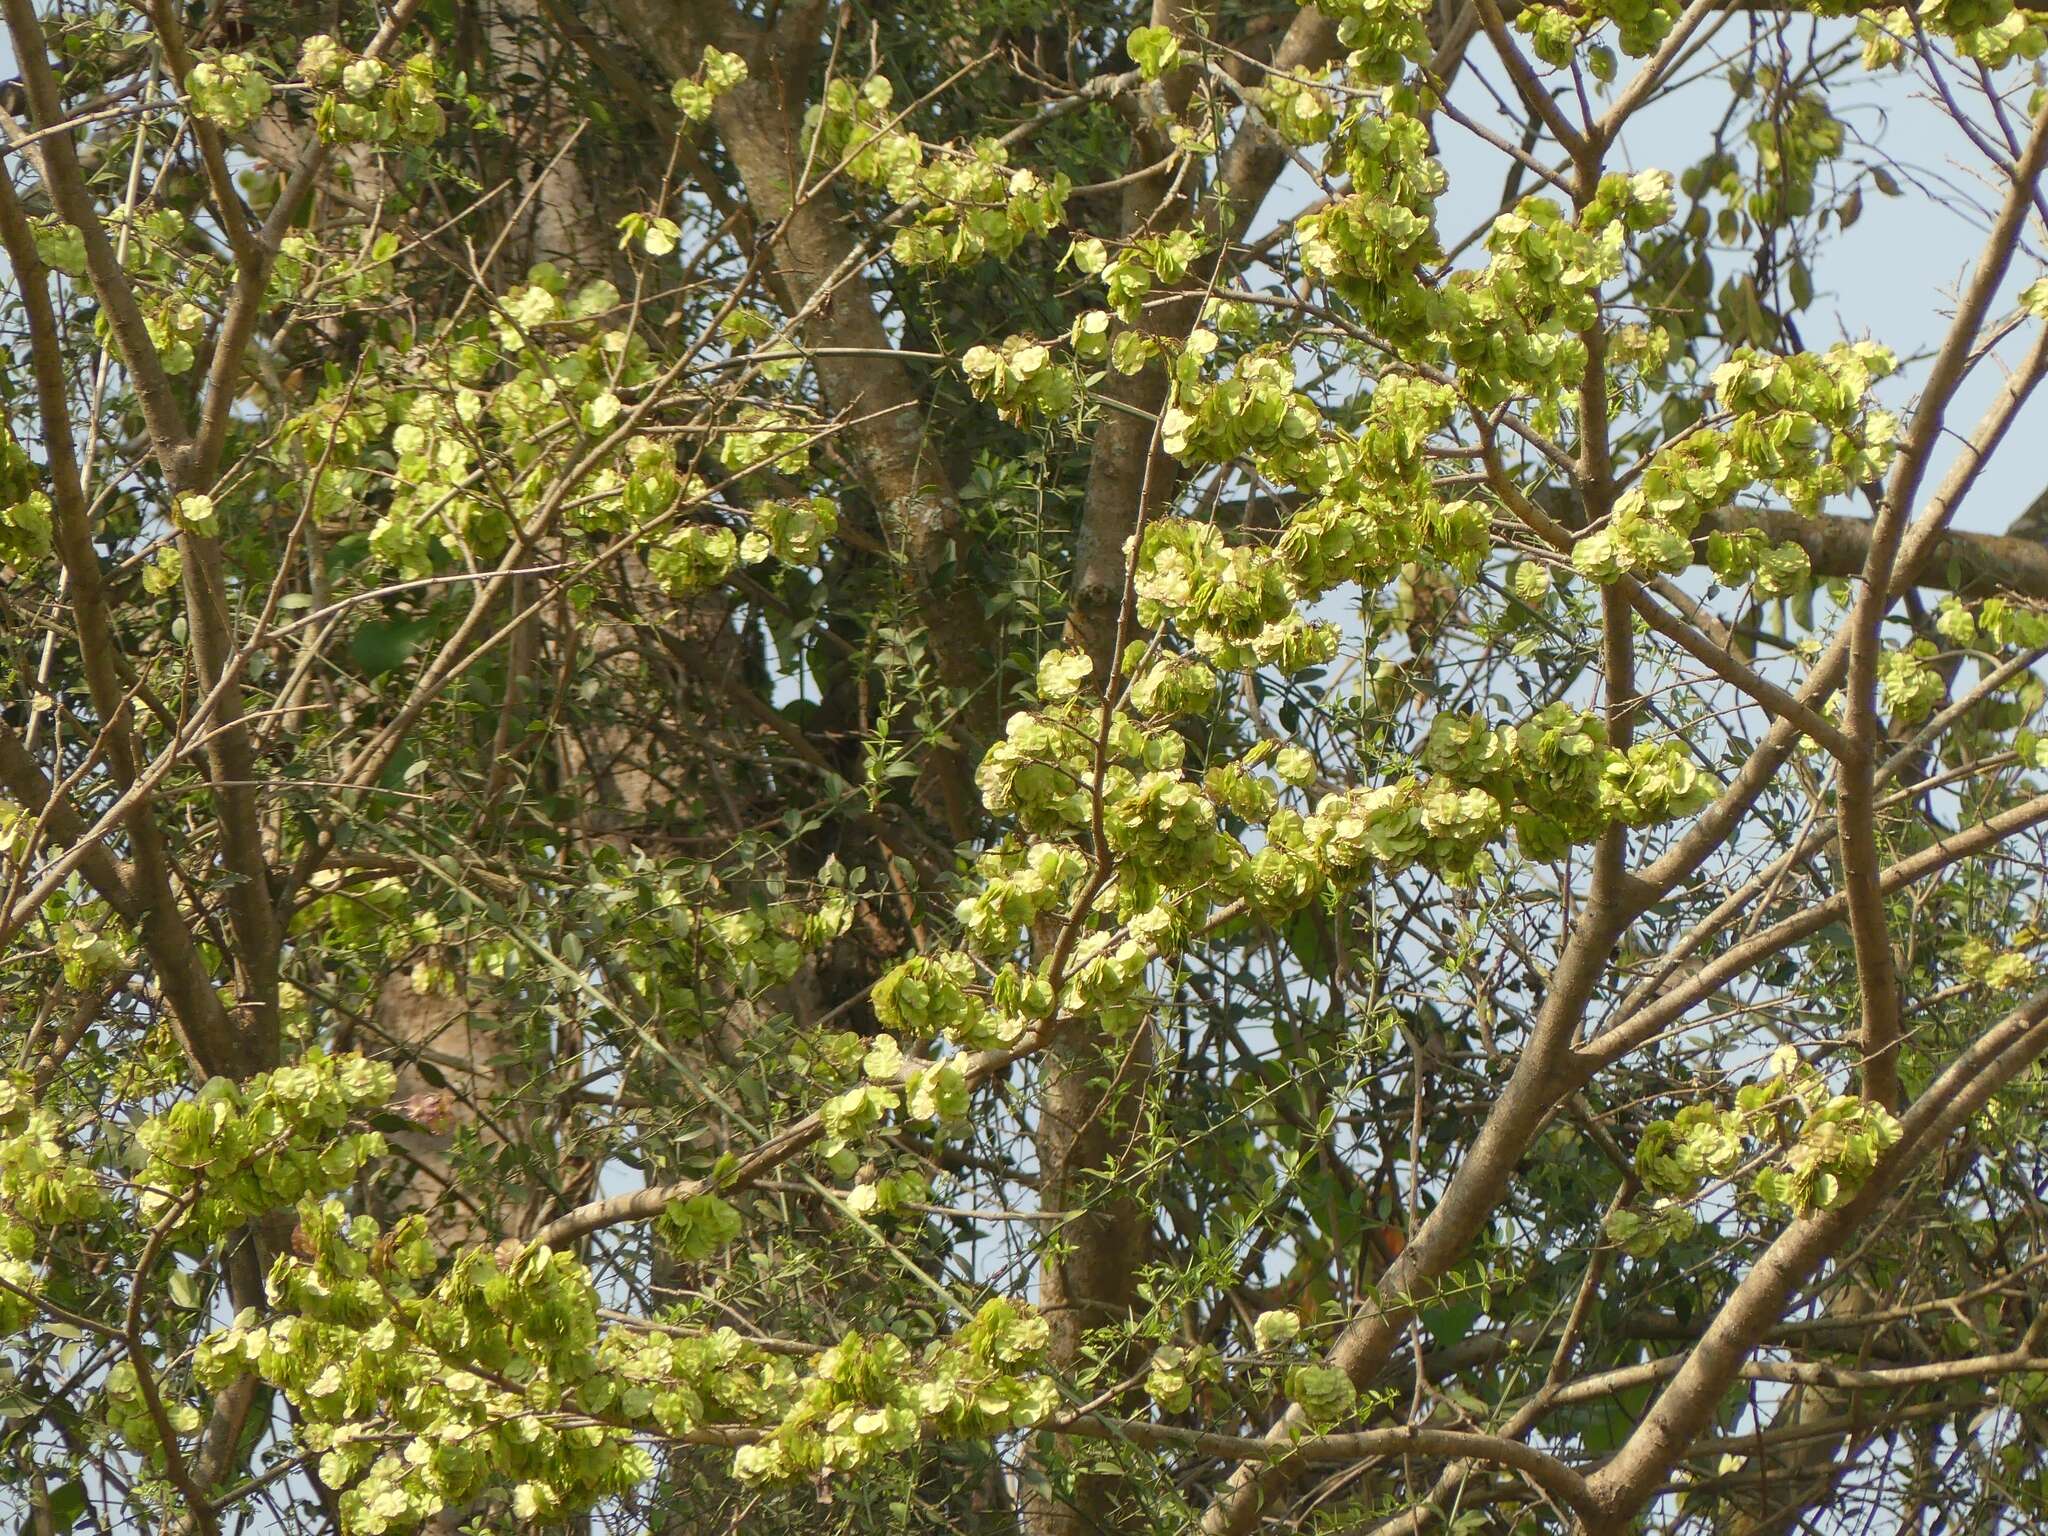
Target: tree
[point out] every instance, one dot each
(923, 767)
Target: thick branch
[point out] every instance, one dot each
(1877, 978)
(1967, 564)
(211, 1039)
(1687, 1407)
(1546, 1471)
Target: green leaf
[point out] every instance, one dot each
(385, 645)
(1154, 50)
(67, 1502)
(1449, 1323)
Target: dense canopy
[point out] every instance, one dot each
(1023, 767)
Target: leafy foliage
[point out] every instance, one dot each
(755, 775)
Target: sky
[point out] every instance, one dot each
(1890, 277)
